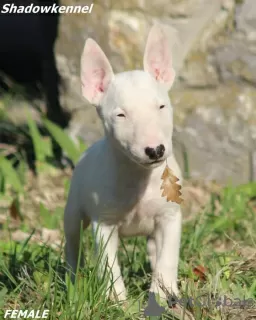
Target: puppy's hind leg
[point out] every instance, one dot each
(73, 227)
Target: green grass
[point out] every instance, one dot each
(33, 276)
(220, 240)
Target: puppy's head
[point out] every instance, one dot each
(134, 106)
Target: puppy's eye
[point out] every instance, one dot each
(162, 106)
(121, 115)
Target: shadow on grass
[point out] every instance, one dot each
(26, 267)
(18, 144)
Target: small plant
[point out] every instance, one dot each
(9, 176)
(42, 146)
(73, 150)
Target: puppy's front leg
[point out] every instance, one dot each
(106, 237)
(151, 249)
(167, 237)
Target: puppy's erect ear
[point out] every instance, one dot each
(158, 58)
(96, 72)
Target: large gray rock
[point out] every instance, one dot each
(122, 33)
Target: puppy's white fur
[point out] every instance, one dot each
(115, 185)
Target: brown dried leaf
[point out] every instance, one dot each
(170, 188)
(200, 271)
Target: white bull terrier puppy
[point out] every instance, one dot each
(116, 184)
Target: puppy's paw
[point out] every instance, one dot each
(117, 293)
(164, 291)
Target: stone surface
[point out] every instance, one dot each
(237, 60)
(173, 8)
(199, 72)
(217, 132)
(122, 33)
(75, 28)
(246, 18)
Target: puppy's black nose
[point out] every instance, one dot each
(155, 153)
(160, 150)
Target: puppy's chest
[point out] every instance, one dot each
(140, 220)
(131, 204)
(136, 222)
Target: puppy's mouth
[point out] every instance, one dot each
(155, 162)
(148, 164)
(139, 161)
